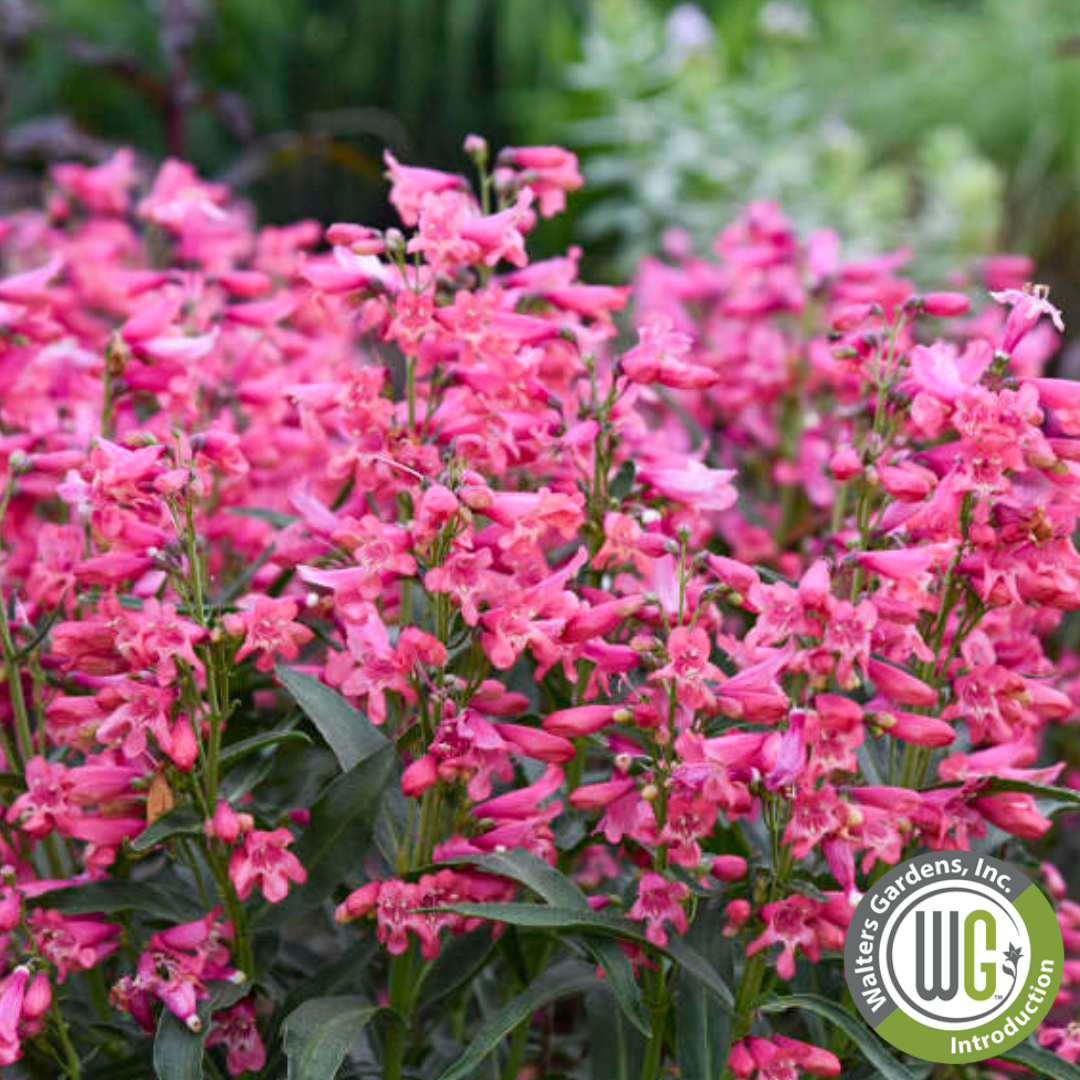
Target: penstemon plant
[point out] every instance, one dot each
(405, 677)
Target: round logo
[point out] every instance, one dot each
(954, 957)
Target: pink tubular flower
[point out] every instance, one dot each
(268, 628)
(780, 1058)
(410, 183)
(236, 1030)
(693, 484)
(262, 860)
(1028, 305)
(659, 901)
(550, 171)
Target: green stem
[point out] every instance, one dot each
(24, 738)
(400, 1005)
(659, 1003)
(71, 1058)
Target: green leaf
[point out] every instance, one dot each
(333, 844)
(274, 517)
(702, 1030)
(560, 891)
(178, 1051)
(318, 1035)
(862, 1036)
(615, 1048)
(235, 587)
(329, 977)
(108, 897)
(184, 819)
(459, 960)
(562, 980)
(1040, 1061)
(542, 917)
(347, 732)
(240, 750)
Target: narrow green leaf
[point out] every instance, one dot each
(333, 844)
(235, 587)
(330, 977)
(178, 1051)
(702, 1030)
(866, 1042)
(240, 750)
(562, 980)
(347, 732)
(543, 917)
(108, 897)
(274, 517)
(318, 1035)
(459, 960)
(1040, 1061)
(184, 819)
(615, 1048)
(560, 891)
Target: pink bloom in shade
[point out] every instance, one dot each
(102, 188)
(780, 1058)
(789, 923)
(688, 667)
(522, 802)
(659, 901)
(815, 812)
(580, 720)
(1063, 397)
(659, 357)
(268, 627)
(622, 540)
(156, 637)
(728, 867)
(495, 237)
(693, 484)
(237, 1031)
(47, 804)
(688, 821)
(1014, 812)
(791, 756)
(12, 995)
(1028, 305)
(1063, 1041)
(531, 618)
(262, 860)
(531, 516)
(72, 944)
(31, 286)
(132, 711)
(911, 727)
(467, 577)
(537, 743)
(900, 685)
(914, 564)
(945, 305)
(410, 183)
(551, 172)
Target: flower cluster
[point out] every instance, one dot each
(377, 574)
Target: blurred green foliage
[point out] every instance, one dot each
(292, 99)
(947, 124)
(678, 127)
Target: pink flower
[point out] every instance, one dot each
(262, 860)
(693, 484)
(549, 171)
(659, 901)
(236, 1030)
(268, 628)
